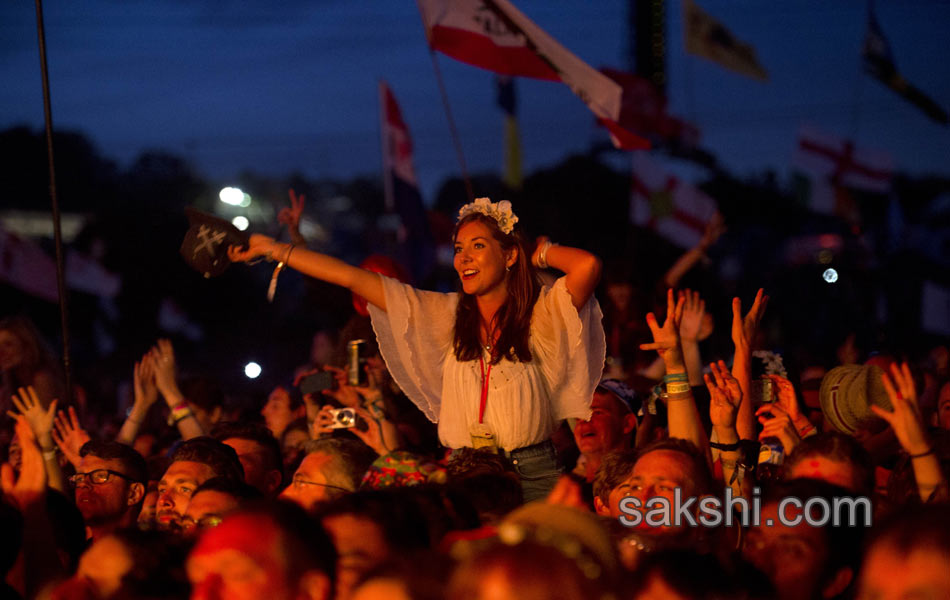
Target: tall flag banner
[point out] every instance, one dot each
(839, 162)
(662, 202)
(644, 110)
(25, 266)
(879, 62)
(494, 35)
(708, 38)
(827, 167)
(401, 189)
(508, 103)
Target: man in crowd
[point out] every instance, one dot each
(259, 452)
(193, 462)
(277, 553)
(213, 500)
(331, 468)
(109, 486)
(612, 426)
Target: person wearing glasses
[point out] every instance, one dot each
(109, 486)
(331, 467)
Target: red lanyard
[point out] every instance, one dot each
(485, 376)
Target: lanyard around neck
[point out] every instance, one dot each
(486, 373)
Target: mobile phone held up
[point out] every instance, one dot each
(316, 383)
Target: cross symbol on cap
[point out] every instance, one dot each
(209, 240)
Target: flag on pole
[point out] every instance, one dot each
(839, 162)
(708, 38)
(401, 189)
(508, 104)
(25, 266)
(879, 62)
(494, 35)
(662, 202)
(644, 110)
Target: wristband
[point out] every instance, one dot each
(49, 454)
(724, 447)
(182, 411)
(272, 288)
(675, 377)
(922, 454)
(677, 387)
(543, 255)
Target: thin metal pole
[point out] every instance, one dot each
(57, 232)
(455, 134)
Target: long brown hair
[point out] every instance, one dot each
(513, 319)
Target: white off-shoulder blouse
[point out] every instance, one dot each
(526, 401)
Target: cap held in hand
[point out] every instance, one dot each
(206, 242)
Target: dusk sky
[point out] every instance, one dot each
(278, 87)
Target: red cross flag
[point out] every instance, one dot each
(662, 202)
(842, 164)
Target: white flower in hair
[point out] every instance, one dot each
(500, 211)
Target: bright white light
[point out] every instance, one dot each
(231, 195)
(252, 370)
(240, 222)
(830, 275)
(245, 200)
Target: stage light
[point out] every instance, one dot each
(830, 275)
(240, 222)
(231, 195)
(252, 370)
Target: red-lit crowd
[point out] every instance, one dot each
(510, 441)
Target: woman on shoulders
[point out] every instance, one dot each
(499, 364)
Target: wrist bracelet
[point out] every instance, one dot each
(543, 255)
(724, 447)
(922, 454)
(675, 377)
(49, 454)
(677, 387)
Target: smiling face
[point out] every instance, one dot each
(480, 260)
(605, 429)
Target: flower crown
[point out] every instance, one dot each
(500, 211)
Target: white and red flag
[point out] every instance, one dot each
(839, 162)
(494, 35)
(401, 188)
(664, 203)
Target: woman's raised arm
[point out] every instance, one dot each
(320, 266)
(581, 268)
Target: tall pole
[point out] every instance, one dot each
(57, 231)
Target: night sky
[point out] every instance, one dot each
(292, 86)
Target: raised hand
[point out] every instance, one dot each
(666, 340)
(30, 488)
(162, 358)
(777, 423)
(258, 245)
(745, 328)
(290, 215)
(39, 419)
(691, 322)
(143, 382)
(69, 435)
(724, 394)
(905, 419)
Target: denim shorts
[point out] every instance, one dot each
(538, 468)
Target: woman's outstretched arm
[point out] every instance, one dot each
(580, 267)
(319, 266)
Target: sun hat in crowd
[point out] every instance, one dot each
(847, 393)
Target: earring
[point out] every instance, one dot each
(507, 268)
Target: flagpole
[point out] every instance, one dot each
(390, 201)
(452, 129)
(57, 232)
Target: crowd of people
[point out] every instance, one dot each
(508, 441)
